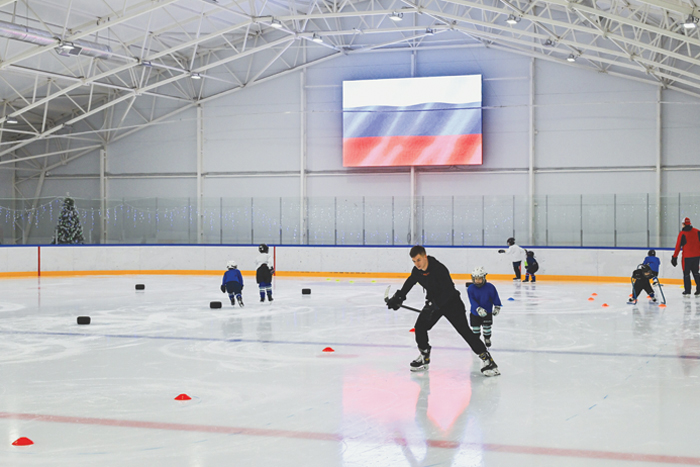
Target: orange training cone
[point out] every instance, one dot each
(605, 304)
(662, 306)
(183, 397)
(328, 349)
(590, 299)
(23, 442)
(594, 294)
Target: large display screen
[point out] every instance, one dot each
(412, 122)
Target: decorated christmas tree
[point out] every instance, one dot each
(68, 230)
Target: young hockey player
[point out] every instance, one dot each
(531, 266)
(485, 304)
(233, 283)
(515, 253)
(442, 299)
(689, 241)
(653, 262)
(264, 271)
(640, 281)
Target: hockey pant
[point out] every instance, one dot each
(477, 322)
(642, 284)
(516, 268)
(234, 289)
(265, 287)
(455, 313)
(690, 266)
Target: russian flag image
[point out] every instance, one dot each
(412, 122)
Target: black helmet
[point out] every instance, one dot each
(644, 268)
(651, 253)
(510, 241)
(263, 248)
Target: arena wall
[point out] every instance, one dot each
(562, 264)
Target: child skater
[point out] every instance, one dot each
(264, 271)
(233, 283)
(653, 262)
(531, 266)
(515, 253)
(485, 304)
(640, 281)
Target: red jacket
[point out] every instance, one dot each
(689, 240)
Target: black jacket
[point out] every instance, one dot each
(435, 280)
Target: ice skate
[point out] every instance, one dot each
(516, 279)
(240, 301)
(269, 296)
(422, 362)
(697, 293)
(632, 301)
(489, 367)
(527, 279)
(653, 300)
(534, 280)
(233, 301)
(487, 341)
(686, 292)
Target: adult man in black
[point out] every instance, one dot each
(442, 299)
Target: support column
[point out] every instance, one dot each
(413, 206)
(303, 217)
(659, 153)
(200, 150)
(103, 195)
(531, 158)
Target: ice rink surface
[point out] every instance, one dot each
(581, 384)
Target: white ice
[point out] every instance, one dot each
(581, 384)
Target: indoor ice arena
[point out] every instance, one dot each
(349, 233)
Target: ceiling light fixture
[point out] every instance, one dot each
(11, 121)
(396, 16)
(277, 24)
(430, 31)
(571, 58)
(691, 22)
(195, 76)
(317, 39)
(512, 19)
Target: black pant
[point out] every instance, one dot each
(642, 284)
(456, 314)
(691, 265)
(516, 268)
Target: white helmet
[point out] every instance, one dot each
(231, 264)
(479, 271)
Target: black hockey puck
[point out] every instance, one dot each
(83, 320)
(214, 304)
(140, 286)
(306, 291)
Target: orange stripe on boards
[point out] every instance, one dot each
(368, 275)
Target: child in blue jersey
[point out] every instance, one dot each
(233, 283)
(485, 304)
(653, 262)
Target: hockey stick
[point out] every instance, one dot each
(386, 299)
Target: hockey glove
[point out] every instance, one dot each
(482, 312)
(496, 310)
(272, 271)
(501, 251)
(674, 261)
(396, 301)
(223, 288)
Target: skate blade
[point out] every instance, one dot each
(420, 368)
(492, 372)
(632, 303)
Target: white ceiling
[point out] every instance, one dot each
(149, 50)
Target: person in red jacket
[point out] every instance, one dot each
(689, 241)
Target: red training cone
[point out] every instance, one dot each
(183, 397)
(23, 442)
(412, 330)
(605, 304)
(328, 349)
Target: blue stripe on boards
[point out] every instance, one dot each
(433, 119)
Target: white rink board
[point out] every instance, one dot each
(309, 259)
